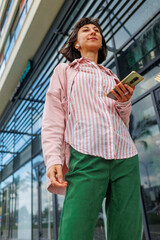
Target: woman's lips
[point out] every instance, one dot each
(92, 38)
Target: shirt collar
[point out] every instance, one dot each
(85, 59)
(77, 61)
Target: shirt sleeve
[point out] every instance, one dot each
(124, 111)
(53, 122)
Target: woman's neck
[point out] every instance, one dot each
(90, 55)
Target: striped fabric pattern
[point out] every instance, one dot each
(94, 126)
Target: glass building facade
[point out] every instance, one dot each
(132, 33)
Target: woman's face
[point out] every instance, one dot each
(89, 38)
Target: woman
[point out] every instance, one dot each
(87, 148)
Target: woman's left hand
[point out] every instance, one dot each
(123, 92)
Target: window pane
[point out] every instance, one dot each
(100, 229)
(141, 51)
(60, 201)
(112, 67)
(29, 2)
(150, 80)
(9, 50)
(37, 159)
(5, 212)
(147, 10)
(22, 181)
(35, 205)
(46, 208)
(2, 67)
(145, 133)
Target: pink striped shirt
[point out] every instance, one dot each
(94, 125)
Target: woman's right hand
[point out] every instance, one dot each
(56, 176)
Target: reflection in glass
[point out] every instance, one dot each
(10, 48)
(1, 201)
(60, 201)
(100, 229)
(141, 51)
(5, 212)
(46, 208)
(22, 182)
(15, 33)
(35, 205)
(147, 10)
(37, 159)
(2, 67)
(12, 212)
(146, 135)
(29, 2)
(112, 67)
(4, 21)
(7, 182)
(148, 82)
(109, 54)
(42, 205)
(37, 125)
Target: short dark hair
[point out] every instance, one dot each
(71, 53)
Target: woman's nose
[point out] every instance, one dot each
(93, 32)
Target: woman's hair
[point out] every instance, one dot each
(71, 53)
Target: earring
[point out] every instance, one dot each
(77, 45)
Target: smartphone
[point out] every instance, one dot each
(131, 79)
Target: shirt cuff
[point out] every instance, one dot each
(53, 161)
(123, 105)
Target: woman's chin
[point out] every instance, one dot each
(93, 48)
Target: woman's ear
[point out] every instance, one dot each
(76, 45)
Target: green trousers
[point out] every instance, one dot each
(89, 179)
